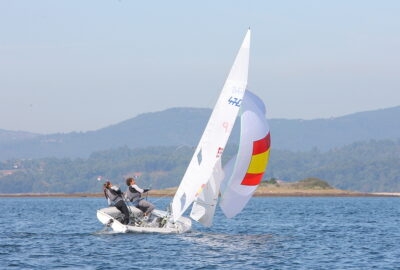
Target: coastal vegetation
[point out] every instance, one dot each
(371, 166)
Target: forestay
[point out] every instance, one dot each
(216, 133)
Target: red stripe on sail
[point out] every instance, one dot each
(262, 145)
(252, 179)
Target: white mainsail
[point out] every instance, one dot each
(216, 134)
(203, 208)
(242, 180)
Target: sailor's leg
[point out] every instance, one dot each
(146, 206)
(140, 206)
(121, 206)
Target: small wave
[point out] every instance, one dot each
(227, 240)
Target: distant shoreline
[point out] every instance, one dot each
(299, 193)
(310, 187)
(308, 194)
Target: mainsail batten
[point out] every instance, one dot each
(216, 133)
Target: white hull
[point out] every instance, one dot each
(109, 217)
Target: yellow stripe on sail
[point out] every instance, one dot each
(258, 162)
(200, 190)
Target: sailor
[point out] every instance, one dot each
(114, 198)
(134, 194)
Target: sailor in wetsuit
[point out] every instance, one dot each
(133, 194)
(114, 198)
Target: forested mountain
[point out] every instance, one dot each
(371, 166)
(184, 126)
(7, 136)
(364, 166)
(326, 134)
(173, 127)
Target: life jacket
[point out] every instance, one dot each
(132, 194)
(113, 195)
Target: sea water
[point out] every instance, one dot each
(271, 233)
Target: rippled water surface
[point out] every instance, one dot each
(271, 233)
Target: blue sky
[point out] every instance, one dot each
(82, 65)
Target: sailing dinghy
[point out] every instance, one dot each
(205, 178)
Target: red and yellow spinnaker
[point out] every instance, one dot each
(244, 172)
(258, 162)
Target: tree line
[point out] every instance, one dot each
(370, 166)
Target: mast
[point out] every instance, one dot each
(216, 133)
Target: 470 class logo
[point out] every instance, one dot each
(235, 101)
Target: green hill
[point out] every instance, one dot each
(184, 126)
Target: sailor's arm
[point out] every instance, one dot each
(138, 188)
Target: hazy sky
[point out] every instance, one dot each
(82, 65)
